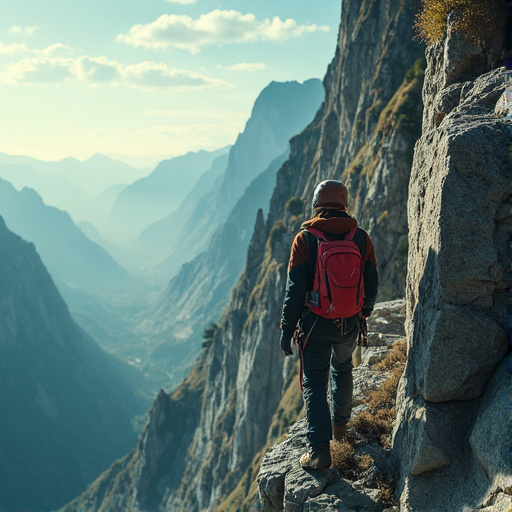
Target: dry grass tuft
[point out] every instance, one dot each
(349, 464)
(373, 424)
(397, 357)
(386, 494)
(476, 19)
(376, 422)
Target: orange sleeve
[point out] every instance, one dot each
(370, 251)
(299, 251)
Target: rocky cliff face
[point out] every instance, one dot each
(364, 133)
(366, 130)
(454, 429)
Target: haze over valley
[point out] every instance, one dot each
(145, 264)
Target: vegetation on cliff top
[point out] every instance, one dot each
(476, 19)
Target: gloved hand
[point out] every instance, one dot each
(365, 313)
(286, 343)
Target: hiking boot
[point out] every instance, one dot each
(317, 457)
(339, 432)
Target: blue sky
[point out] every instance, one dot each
(151, 77)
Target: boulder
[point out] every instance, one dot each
(450, 435)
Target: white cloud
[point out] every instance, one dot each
(13, 49)
(150, 74)
(216, 27)
(29, 31)
(38, 70)
(183, 2)
(56, 50)
(97, 70)
(250, 67)
(45, 68)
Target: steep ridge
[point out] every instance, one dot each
(67, 409)
(454, 428)
(157, 195)
(195, 297)
(157, 241)
(281, 110)
(71, 258)
(365, 92)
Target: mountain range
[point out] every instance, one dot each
(157, 195)
(280, 111)
(72, 259)
(67, 407)
(222, 223)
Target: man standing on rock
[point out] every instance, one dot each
(314, 303)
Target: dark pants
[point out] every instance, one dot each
(328, 351)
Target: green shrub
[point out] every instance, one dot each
(209, 334)
(276, 234)
(295, 206)
(476, 19)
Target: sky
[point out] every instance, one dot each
(148, 78)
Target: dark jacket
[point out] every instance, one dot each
(301, 267)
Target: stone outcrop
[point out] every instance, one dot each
(453, 430)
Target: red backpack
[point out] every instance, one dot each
(338, 287)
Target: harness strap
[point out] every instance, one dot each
(363, 333)
(301, 344)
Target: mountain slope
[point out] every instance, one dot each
(67, 409)
(155, 196)
(159, 239)
(196, 296)
(70, 256)
(281, 110)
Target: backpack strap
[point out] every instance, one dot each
(321, 235)
(312, 242)
(316, 232)
(351, 233)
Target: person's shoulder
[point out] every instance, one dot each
(363, 232)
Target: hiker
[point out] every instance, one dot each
(329, 342)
